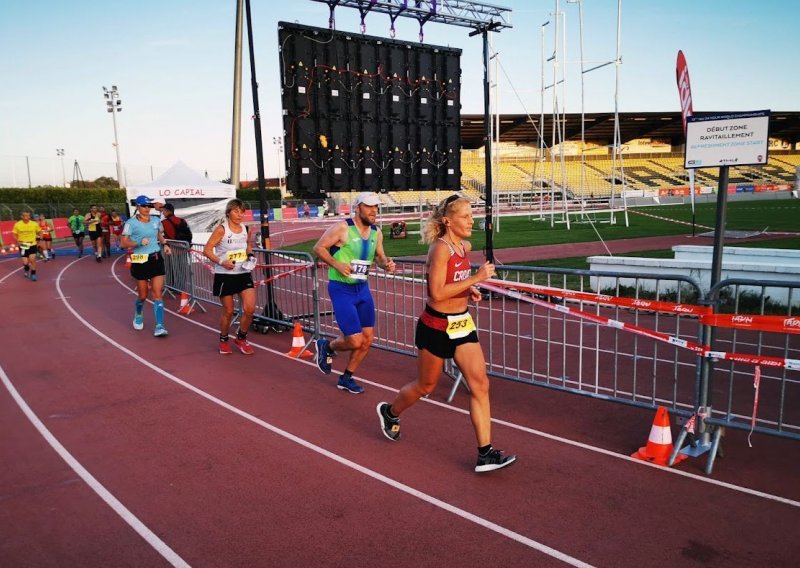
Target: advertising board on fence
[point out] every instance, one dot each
(730, 139)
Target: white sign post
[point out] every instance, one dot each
(732, 139)
(724, 140)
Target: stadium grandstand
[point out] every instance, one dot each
(649, 163)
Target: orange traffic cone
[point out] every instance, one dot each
(128, 259)
(185, 307)
(659, 443)
(298, 343)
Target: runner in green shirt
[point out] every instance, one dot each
(77, 227)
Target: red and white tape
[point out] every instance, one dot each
(701, 350)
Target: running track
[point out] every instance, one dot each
(150, 452)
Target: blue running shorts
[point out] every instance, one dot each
(352, 306)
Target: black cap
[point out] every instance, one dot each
(170, 207)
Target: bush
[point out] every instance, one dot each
(57, 201)
(251, 197)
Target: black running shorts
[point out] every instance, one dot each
(150, 269)
(230, 284)
(95, 235)
(33, 249)
(436, 341)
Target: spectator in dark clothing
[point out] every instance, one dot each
(175, 228)
(105, 227)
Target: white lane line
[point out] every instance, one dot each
(149, 536)
(3, 279)
(694, 476)
(466, 515)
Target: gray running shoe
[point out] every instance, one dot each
(493, 460)
(389, 426)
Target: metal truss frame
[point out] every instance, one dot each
(453, 12)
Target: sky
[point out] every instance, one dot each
(172, 61)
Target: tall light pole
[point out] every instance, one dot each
(541, 135)
(114, 105)
(60, 154)
(236, 131)
(278, 142)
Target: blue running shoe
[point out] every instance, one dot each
(348, 384)
(324, 356)
(160, 331)
(34, 278)
(138, 322)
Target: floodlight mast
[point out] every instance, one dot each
(482, 18)
(60, 154)
(114, 105)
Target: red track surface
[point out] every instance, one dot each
(261, 461)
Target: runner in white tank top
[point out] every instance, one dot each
(228, 248)
(233, 247)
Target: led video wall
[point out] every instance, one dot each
(368, 113)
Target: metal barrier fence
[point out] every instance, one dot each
(752, 382)
(529, 343)
(545, 336)
(286, 285)
(780, 386)
(636, 339)
(178, 272)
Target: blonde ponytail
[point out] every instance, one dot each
(434, 227)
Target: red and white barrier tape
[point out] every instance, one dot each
(604, 299)
(775, 324)
(643, 214)
(256, 283)
(691, 424)
(701, 350)
(281, 275)
(757, 387)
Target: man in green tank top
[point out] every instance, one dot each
(349, 248)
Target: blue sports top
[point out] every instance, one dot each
(136, 230)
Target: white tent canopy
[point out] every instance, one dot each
(182, 182)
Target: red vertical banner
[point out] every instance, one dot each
(684, 88)
(685, 93)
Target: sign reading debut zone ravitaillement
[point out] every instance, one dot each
(731, 139)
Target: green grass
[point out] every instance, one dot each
(780, 215)
(523, 231)
(579, 262)
(791, 243)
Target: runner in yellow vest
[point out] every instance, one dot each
(92, 222)
(26, 232)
